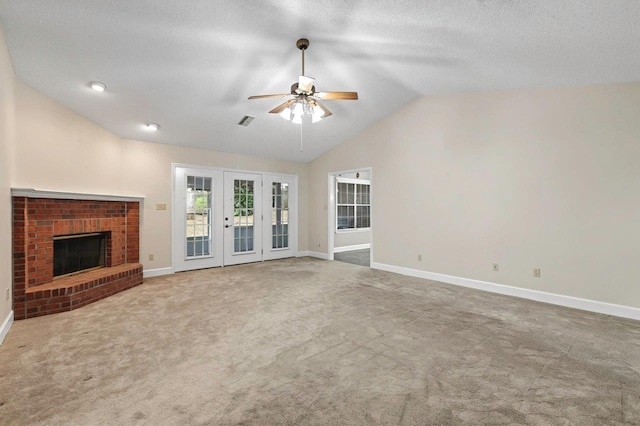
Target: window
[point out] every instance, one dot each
(353, 204)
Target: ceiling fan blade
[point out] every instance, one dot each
(351, 96)
(269, 96)
(282, 106)
(327, 113)
(305, 84)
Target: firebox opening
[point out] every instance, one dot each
(79, 252)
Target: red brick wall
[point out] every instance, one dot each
(37, 220)
(19, 250)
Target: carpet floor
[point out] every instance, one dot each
(305, 341)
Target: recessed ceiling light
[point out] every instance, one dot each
(97, 86)
(152, 127)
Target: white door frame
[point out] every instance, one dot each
(175, 166)
(331, 179)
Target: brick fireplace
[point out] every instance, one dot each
(39, 218)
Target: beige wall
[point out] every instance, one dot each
(7, 144)
(344, 239)
(61, 151)
(545, 178)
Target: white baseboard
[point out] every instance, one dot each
(302, 253)
(148, 273)
(6, 325)
(540, 296)
(315, 254)
(349, 248)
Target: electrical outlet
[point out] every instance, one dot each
(318, 243)
(8, 296)
(161, 206)
(496, 267)
(419, 258)
(536, 272)
(151, 256)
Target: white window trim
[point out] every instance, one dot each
(354, 181)
(351, 231)
(351, 180)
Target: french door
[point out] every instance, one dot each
(198, 216)
(280, 216)
(228, 217)
(242, 218)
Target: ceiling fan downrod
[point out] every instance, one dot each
(302, 44)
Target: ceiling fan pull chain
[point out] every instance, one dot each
(300, 137)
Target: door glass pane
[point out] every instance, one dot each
(199, 199)
(279, 215)
(243, 215)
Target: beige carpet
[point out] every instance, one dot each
(304, 341)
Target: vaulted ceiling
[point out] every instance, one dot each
(190, 65)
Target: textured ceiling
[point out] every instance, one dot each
(190, 65)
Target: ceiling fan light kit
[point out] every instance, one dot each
(305, 100)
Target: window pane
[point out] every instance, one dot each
(364, 217)
(363, 195)
(279, 213)
(243, 215)
(345, 193)
(346, 217)
(198, 200)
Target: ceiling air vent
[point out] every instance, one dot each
(246, 120)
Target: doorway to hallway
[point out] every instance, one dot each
(350, 216)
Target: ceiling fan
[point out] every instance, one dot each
(304, 98)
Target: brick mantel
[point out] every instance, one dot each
(39, 216)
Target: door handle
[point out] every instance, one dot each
(227, 226)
